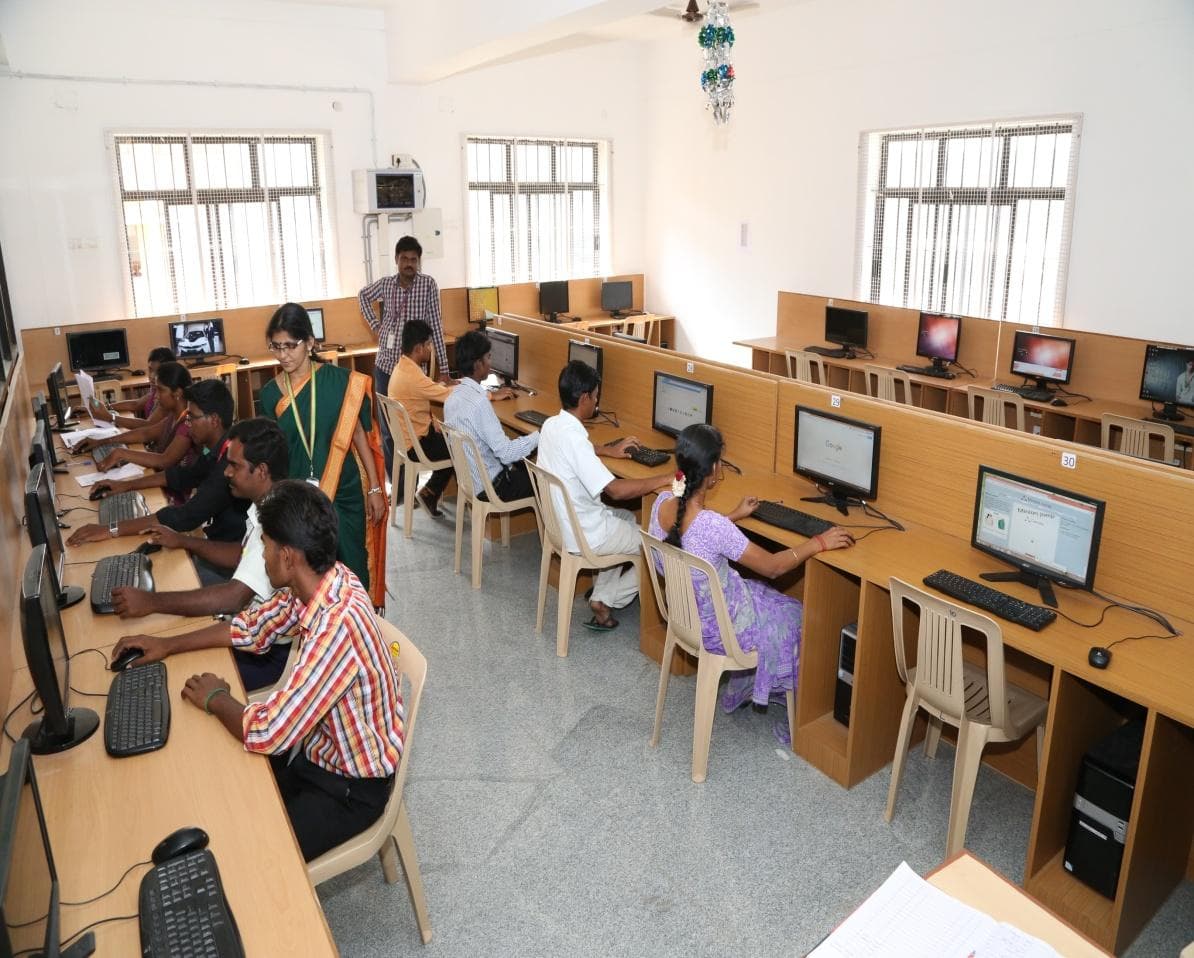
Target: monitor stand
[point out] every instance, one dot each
(1169, 413)
(80, 726)
(831, 498)
(1043, 585)
(71, 595)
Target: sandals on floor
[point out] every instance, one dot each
(607, 626)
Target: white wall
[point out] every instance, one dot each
(812, 76)
(56, 183)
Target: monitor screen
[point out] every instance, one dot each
(586, 353)
(937, 336)
(553, 297)
(98, 349)
(41, 517)
(1047, 358)
(316, 314)
(56, 390)
(503, 354)
(846, 327)
(203, 337)
(617, 296)
(482, 303)
(44, 430)
(1168, 376)
(840, 453)
(1039, 529)
(28, 881)
(679, 403)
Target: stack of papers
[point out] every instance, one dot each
(127, 471)
(72, 439)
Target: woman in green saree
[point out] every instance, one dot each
(325, 412)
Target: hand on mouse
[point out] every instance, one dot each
(620, 449)
(166, 537)
(152, 648)
(130, 602)
(835, 538)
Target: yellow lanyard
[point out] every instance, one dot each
(309, 447)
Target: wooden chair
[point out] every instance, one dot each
(1137, 436)
(463, 448)
(678, 606)
(995, 403)
(881, 383)
(390, 837)
(802, 365)
(549, 494)
(397, 418)
(978, 702)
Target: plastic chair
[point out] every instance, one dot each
(549, 493)
(390, 837)
(463, 449)
(260, 695)
(1137, 437)
(881, 383)
(977, 701)
(678, 606)
(802, 365)
(398, 421)
(994, 407)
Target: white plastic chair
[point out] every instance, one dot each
(802, 365)
(995, 403)
(397, 418)
(881, 383)
(1136, 437)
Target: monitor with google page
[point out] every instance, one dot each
(839, 455)
(679, 403)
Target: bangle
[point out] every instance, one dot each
(211, 695)
(375, 489)
(820, 543)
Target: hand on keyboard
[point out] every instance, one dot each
(129, 602)
(619, 448)
(114, 460)
(745, 508)
(166, 537)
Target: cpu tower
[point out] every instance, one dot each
(1102, 806)
(844, 689)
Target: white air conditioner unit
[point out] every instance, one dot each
(391, 190)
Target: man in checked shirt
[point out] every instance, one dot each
(341, 703)
(409, 294)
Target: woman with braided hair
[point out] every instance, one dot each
(766, 621)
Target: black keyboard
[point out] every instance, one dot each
(184, 913)
(1034, 617)
(831, 352)
(100, 453)
(785, 517)
(927, 371)
(123, 505)
(646, 456)
(137, 718)
(1181, 428)
(533, 416)
(131, 568)
(1025, 392)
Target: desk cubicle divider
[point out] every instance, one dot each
(16, 432)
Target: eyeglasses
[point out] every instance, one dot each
(191, 418)
(287, 347)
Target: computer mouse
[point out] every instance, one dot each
(341, 348)
(1099, 657)
(1059, 402)
(138, 372)
(179, 843)
(243, 361)
(125, 659)
(148, 548)
(98, 491)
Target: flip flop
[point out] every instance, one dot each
(607, 626)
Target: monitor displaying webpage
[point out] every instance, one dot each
(1035, 525)
(502, 352)
(840, 451)
(679, 403)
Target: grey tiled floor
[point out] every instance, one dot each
(546, 825)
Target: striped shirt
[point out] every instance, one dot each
(469, 410)
(342, 699)
(398, 305)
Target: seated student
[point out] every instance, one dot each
(767, 622)
(341, 703)
(416, 391)
(143, 409)
(209, 410)
(565, 451)
(257, 458)
(468, 410)
(170, 436)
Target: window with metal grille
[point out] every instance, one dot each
(215, 221)
(973, 220)
(537, 209)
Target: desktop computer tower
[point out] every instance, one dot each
(1102, 805)
(844, 689)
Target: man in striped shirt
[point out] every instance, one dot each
(341, 703)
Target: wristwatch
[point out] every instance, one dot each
(114, 529)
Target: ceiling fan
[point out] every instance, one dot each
(692, 13)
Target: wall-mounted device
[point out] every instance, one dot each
(392, 190)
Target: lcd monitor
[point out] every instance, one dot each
(1168, 377)
(617, 297)
(43, 435)
(315, 313)
(838, 454)
(679, 403)
(937, 338)
(1047, 359)
(41, 521)
(482, 303)
(198, 340)
(98, 350)
(503, 353)
(553, 299)
(56, 391)
(1048, 534)
(846, 327)
(587, 353)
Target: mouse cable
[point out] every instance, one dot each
(100, 653)
(870, 510)
(969, 372)
(1066, 392)
(83, 562)
(85, 901)
(16, 708)
(1140, 610)
(77, 509)
(1130, 638)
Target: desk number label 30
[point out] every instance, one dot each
(1069, 460)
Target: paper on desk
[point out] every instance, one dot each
(86, 390)
(72, 439)
(127, 471)
(909, 918)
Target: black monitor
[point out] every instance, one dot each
(198, 339)
(60, 727)
(553, 299)
(56, 391)
(839, 454)
(482, 304)
(1168, 377)
(587, 353)
(98, 350)
(679, 403)
(629, 337)
(41, 521)
(846, 327)
(1047, 359)
(617, 297)
(937, 338)
(316, 315)
(1048, 534)
(43, 436)
(503, 354)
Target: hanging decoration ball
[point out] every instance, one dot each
(716, 38)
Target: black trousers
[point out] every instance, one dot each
(434, 447)
(326, 809)
(261, 671)
(513, 482)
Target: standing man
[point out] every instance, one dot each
(410, 294)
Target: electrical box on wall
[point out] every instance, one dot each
(427, 226)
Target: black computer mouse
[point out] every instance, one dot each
(125, 659)
(179, 843)
(1059, 402)
(138, 372)
(244, 361)
(341, 348)
(1099, 657)
(148, 548)
(98, 491)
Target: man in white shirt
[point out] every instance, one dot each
(566, 452)
(1184, 387)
